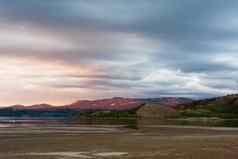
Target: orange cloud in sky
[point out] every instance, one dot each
(27, 81)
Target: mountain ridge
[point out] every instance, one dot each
(115, 101)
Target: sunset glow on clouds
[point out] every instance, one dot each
(61, 51)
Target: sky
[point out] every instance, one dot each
(59, 51)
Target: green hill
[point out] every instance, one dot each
(224, 107)
(156, 111)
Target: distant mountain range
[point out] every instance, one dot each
(111, 104)
(224, 107)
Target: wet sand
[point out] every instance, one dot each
(109, 142)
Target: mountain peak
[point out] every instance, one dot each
(116, 103)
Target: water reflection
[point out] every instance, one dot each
(132, 123)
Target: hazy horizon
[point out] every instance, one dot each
(58, 52)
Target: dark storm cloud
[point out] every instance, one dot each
(188, 26)
(179, 40)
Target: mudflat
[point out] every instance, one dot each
(110, 141)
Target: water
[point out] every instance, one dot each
(134, 123)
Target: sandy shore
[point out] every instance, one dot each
(147, 142)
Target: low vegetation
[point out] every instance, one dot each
(109, 114)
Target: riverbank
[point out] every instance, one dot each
(117, 141)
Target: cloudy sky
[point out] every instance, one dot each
(58, 51)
